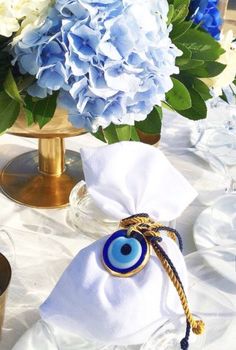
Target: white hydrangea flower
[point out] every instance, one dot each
(19, 16)
(8, 23)
(225, 78)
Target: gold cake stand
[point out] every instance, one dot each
(43, 178)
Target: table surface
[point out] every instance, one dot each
(45, 242)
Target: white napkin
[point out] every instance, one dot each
(129, 178)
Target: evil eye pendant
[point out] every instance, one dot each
(125, 256)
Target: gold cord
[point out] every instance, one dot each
(196, 325)
(146, 226)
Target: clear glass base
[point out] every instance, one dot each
(86, 217)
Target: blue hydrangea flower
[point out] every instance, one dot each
(207, 13)
(111, 60)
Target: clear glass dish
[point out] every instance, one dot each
(86, 217)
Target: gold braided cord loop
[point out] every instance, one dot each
(145, 225)
(171, 235)
(136, 220)
(196, 325)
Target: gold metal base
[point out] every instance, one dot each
(5, 277)
(22, 181)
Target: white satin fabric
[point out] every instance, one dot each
(128, 178)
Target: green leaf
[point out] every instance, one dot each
(179, 29)
(185, 58)
(29, 117)
(165, 105)
(99, 135)
(181, 10)
(11, 88)
(134, 134)
(170, 13)
(110, 134)
(178, 97)
(198, 109)
(9, 111)
(201, 44)
(40, 111)
(202, 89)
(192, 64)
(4, 66)
(152, 124)
(24, 82)
(123, 132)
(208, 70)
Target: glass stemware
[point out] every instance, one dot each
(214, 140)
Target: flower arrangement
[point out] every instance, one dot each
(113, 64)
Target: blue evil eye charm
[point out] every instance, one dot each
(125, 256)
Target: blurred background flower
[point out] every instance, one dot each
(207, 14)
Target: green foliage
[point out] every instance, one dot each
(11, 88)
(152, 124)
(201, 44)
(9, 111)
(180, 29)
(178, 97)
(180, 10)
(40, 111)
(201, 88)
(4, 66)
(115, 133)
(198, 109)
(207, 70)
(199, 60)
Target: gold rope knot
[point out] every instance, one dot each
(144, 224)
(198, 327)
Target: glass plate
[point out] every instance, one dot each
(212, 230)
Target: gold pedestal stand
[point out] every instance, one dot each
(43, 178)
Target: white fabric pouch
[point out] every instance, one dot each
(124, 179)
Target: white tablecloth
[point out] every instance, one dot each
(45, 242)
